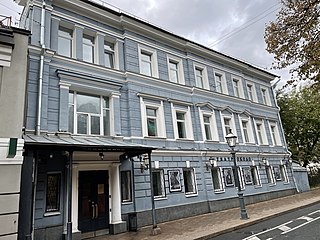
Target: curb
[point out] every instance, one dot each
(247, 224)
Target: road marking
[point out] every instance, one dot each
(305, 218)
(314, 212)
(301, 225)
(284, 228)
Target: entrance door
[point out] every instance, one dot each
(93, 201)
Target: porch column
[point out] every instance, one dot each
(115, 195)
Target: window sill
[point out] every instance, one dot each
(257, 186)
(219, 191)
(126, 203)
(160, 198)
(184, 139)
(50, 214)
(155, 137)
(188, 195)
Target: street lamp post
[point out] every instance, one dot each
(232, 140)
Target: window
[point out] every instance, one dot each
(88, 48)
(89, 114)
(181, 117)
(152, 121)
(250, 93)
(218, 78)
(220, 81)
(255, 176)
(148, 62)
(65, 41)
(265, 96)
(173, 71)
(181, 125)
(277, 173)
(245, 131)
(235, 83)
(274, 134)
(199, 77)
(247, 174)
(126, 190)
(228, 177)
(216, 179)
(207, 128)
(227, 125)
(269, 174)
(189, 181)
(53, 192)
(284, 175)
(152, 115)
(109, 54)
(158, 184)
(261, 132)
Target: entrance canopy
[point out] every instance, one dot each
(85, 143)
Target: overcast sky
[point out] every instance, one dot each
(233, 27)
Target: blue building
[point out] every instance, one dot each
(119, 110)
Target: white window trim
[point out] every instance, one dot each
(213, 125)
(223, 81)
(179, 62)
(111, 109)
(283, 170)
(115, 43)
(161, 128)
(240, 86)
(264, 135)
(257, 175)
(188, 122)
(277, 135)
(273, 180)
(154, 60)
(73, 40)
(94, 45)
(233, 125)
(204, 75)
(267, 95)
(249, 129)
(221, 181)
(254, 93)
(163, 196)
(194, 182)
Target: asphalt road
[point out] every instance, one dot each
(302, 224)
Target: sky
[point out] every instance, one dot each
(233, 27)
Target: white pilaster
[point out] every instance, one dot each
(115, 195)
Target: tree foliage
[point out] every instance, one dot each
(300, 115)
(294, 39)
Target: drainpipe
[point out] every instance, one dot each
(38, 123)
(285, 142)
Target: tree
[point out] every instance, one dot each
(294, 39)
(300, 115)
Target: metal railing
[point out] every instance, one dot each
(5, 21)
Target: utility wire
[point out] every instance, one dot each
(10, 8)
(245, 25)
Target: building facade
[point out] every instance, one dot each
(124, 117)
(13, 71)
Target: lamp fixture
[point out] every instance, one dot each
(231, 139)
(211, 164)
(101, 155)
(288, 162)
(263, 162)
(144, 162)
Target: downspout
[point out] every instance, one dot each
(34, 190)
(38, 123)
(285, 142)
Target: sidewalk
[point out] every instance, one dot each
(213, 224)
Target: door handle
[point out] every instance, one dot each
(93, 210)
(97, 210)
